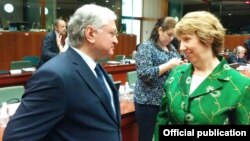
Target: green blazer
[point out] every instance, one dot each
(222, 98)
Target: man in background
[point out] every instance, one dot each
(64, 99)
(53, 42)
(238, 57)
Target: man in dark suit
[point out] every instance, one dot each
(64, 100)
(53, 42)
(238, 57)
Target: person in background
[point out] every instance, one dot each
(247, 46)
(64, 99)
(238, 57)
(53, 42)
(205, 91)
(154, 60)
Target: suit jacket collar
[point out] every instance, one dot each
(88, 76)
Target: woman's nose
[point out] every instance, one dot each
(182, 46)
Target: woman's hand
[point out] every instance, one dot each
(169, 65)
(175, 62)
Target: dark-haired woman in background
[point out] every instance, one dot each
(154, 60)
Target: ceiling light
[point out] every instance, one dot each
(46, 11)
(8, 8)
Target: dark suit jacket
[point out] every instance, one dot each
(49, 48)
(247, 45)
(64, 102)
(232, 58)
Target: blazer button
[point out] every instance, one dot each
(189, 117)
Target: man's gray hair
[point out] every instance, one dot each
(84, 16)
(240, 49)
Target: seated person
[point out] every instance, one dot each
(53, 42)
(238, 56)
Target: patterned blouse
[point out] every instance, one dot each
(149, 85)
(222, 98)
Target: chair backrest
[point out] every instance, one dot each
(117, 85)
(131, 78)
(103, 60)
(33, 59)
(111, 77)
(119, 57)
(11, 94)
(4, 71)
(20, 64)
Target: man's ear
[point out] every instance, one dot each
(89, 34)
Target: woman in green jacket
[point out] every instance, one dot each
(205, 91)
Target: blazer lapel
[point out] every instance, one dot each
(89, 78)
(212, 84)
(208, 86)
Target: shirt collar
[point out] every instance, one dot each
(90, 62)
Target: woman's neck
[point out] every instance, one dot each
(204, 68)
(163, 47)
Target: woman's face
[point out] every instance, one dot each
(165, 37)
(194, 50)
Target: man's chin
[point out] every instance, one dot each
(111, 53)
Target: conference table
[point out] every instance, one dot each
(128, 123)
(245, 72)
(119, 72)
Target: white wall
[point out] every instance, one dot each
(151, 12)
